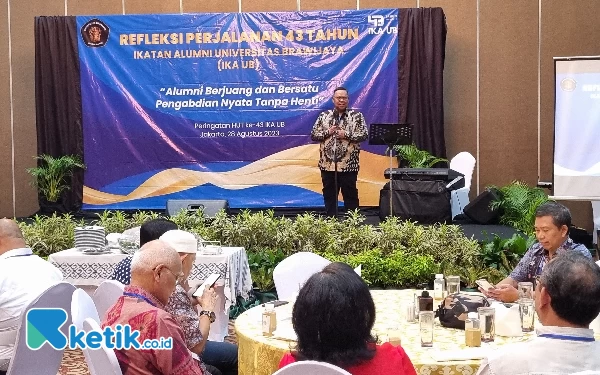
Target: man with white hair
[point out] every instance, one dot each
(23, 277)
(196, 326)
(155, 271)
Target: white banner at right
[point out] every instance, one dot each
(577, 128)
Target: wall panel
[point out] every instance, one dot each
(460, 77)
(374, 4)
(210, 6)
(6, 188)
(91, 7)
(22, 15)
(152, 6)
(318, 4)
(508, 91)
(268, 5)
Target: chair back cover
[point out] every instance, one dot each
(102, 361)
(292, 272)
(464, 163)
(45, 360)
(311, 367)
(82, 306)
(106, 295)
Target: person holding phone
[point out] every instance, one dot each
(552, 222)
(196, 324)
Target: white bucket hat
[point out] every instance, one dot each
(181, 241)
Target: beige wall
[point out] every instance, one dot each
(498, 78)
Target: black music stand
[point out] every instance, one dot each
(390, 135)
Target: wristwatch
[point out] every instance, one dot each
(211, 315)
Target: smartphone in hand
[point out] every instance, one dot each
(210, 282)
(484, 284)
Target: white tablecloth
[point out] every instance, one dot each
(83, 269)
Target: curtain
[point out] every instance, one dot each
(422, 38)
(58, 97)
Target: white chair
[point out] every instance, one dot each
(103, 360)
(311, 367)
(45, 360)
(293, 271)
(464, 163)
(106, 295)
(82, 307)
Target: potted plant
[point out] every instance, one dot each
(517, 203)
(51, 177)
(412, 157)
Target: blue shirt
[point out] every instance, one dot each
(536, 257)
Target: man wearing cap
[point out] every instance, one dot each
(196, 326)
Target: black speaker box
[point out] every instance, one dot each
(209, 207)
(479, 209)
(426, 202)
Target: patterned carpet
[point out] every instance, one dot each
(73, 362)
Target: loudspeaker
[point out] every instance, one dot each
(479, 210)
(208, 207)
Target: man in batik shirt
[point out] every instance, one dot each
(155, 270)
(340, 131)
(552, 222)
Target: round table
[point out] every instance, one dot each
(260, 355)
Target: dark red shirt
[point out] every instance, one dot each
(389, 360)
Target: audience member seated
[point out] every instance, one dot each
(567, 299)
(23, 278)
(149, 231)
(552, 222)
(155, 270)
(333, 317)
(196, 327)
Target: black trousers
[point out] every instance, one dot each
(346, 182)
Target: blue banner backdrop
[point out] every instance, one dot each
(220, 106)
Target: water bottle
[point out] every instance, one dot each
(439, 286)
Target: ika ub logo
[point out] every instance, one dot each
(377, 23)
(44, 326)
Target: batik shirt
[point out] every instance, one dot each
(180, 306)
(536, 257)
(146, 314)
(346, 150)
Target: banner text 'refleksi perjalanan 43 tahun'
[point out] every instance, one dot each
(220, 106)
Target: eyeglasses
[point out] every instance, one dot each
(178, 278)
(340, 98)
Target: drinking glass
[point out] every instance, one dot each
(525, 290)
(487, 323)
(527, 313)
(426, 328)
(453, 284)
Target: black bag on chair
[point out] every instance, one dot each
(454, 309)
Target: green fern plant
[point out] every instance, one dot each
(518, 203)
(416, 158)
(50, 176)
